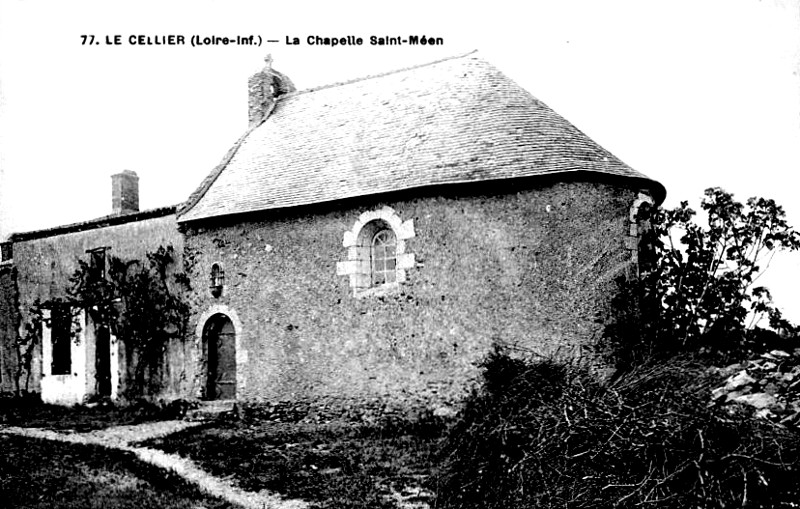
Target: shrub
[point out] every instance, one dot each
(546, 434)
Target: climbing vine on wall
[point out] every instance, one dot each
(24, 347)
(142, 303)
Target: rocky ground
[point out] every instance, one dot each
(769, 384)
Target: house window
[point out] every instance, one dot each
(61, 339)
(97, 263)
(217, 279)
(376, 252)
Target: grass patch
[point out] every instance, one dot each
(30, 412)
(332, 465)
(44, 474)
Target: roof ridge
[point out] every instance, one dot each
(373, 76)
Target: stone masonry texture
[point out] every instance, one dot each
(525, 263)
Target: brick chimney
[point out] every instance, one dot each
(125, 192)
(264, 88)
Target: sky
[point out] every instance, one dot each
(692, 93)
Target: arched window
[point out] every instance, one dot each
(376, 252)
(383, 257)
(217, 279)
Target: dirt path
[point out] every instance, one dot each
(121, 437)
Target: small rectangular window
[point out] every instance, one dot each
(97, 263)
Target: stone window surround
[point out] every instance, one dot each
(358, 266)
(634, 229)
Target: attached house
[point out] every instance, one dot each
(371, 240)
(75, 359)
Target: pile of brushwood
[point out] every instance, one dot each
(544, 434)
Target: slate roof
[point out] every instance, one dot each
(452, 121)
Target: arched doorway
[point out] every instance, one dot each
(219, 347)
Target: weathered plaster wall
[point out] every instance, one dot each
(45, 265)
(530, 266)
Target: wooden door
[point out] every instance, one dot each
(221, 351)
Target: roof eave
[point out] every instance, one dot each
(100, 222)
(656, 190)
